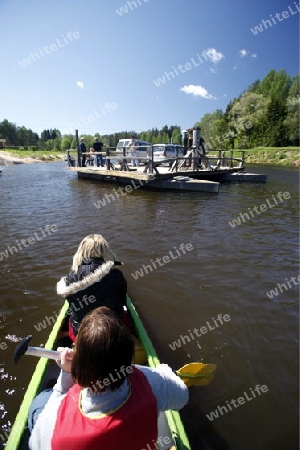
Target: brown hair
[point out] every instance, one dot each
(104, 345)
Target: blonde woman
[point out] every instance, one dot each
(93, 281)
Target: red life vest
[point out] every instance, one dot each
(132, 426)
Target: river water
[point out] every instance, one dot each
(216, 268)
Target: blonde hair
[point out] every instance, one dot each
(92, 246)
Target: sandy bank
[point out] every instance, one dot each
(7, 159)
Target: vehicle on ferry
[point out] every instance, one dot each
(143, 147)
(163, 152)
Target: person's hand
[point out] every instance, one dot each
(66, 357)
(163, 366)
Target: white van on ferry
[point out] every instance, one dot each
(143, 147)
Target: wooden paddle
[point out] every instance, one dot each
(193, 374)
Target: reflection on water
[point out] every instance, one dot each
(229, 271)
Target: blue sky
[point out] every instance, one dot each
(93, 66)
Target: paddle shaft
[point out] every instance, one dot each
(43, 352)
(190, 379)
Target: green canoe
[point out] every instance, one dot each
(170, 423)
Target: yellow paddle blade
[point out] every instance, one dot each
(201, 381)
(194, 370)
(196, 374)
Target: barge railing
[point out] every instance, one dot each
(221, 159)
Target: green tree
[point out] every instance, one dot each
(266, 84)
(254, 86)
(66, 144)
(45, 135)
(214, 129)
(48, 145)
(22, 136)
(292, 121)
(176, 136)
(8, 131)
(245, 117)
(205, 124)
(275, 85)
(276, 133)
(57, 144)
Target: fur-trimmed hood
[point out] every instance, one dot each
(64, 290)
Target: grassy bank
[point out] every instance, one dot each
(279, 156)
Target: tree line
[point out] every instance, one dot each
(266, 114)
(53, 140)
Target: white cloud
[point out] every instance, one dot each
(80, 84)
(243, 53)
(197, 91)
(213, 55)
(213, 70)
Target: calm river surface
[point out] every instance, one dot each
(229, 270)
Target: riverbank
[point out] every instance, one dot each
(9, 157)
(285, 156)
